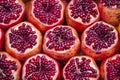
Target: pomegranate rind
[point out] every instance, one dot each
(109, 15)
(18, 20)
(2, 35)
(104, 53)
(77, 23)
(40, 25)
(55, 77)
(16, 74)
(28, 52)
(92, 64)
(66, 54)
(103, 66)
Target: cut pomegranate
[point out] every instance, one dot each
(11, 12)
(46, 14)
(81, 13)
(61, 42)
(100, 40)
(40, 67)
(81, 68)
(9, 67)
(110, 68)
(1, 38)
(110, 11)
(23, 40)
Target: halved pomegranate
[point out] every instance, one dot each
(23, 40)
(110, 68)
(110, 11)
(9, 67)
(46, 14)
(1, 38)
(81, 68)
(40, 67)
(100, 40)
(81, 13)
(61, 42)
(11, 12)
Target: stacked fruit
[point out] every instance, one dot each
(59, 39)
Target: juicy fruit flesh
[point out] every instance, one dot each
(111, 3)
(79, 70)
(6, 68)
(9, 11)
(22, 38)
(40, 68)
(83, 9)
(47, 11)
(100, 36)
(113, 69)
(60, 39)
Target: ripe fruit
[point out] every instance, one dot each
(110, 68)
(81, 68)
(110, 11)
(1, 38)
(46, 14)
(40, 67)
(100, 40)
(11, 12)
(23, 40)
(9, 67)
(81, 13)
(61, 42)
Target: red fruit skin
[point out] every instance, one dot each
(43, 28)
(78, 26)
(17, 62)
(2, 35)
(109, 15)
(18, 21)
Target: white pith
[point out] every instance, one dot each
(14, 73)
(28, 49)
(80, 60)
(79, 20)
(40, 55)
(53, 24)
(63, 51)
(13, 21)
(103, 49)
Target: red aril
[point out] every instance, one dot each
(110, 11)
(61, 42)
(100, 40)
(40, 67)
(81, 68)
(9, 67)
(1, 38)
(46, 14)
(110, 68)
(23, 40)
(81, 13)
(11, 12)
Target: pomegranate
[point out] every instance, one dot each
(110, 68)
(11, 12)
(23, 40)
(1, 38)
(100, 40)
(81, 68)
(46, 14)
(40, 67)
(81, 13)
(9, 67)
(110, 11)
(61, 42)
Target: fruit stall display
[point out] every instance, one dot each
(59, 39)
